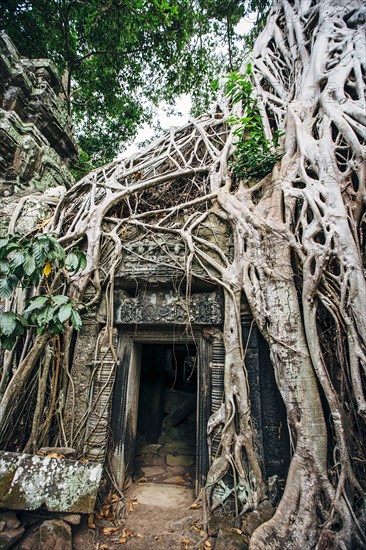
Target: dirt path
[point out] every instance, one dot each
(158, 516)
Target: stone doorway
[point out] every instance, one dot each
(161, 404)
(167, 413)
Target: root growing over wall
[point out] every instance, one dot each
(299, 254)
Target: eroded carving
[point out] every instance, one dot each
(162, 307)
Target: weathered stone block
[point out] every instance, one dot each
(72, 519)
(55, 534)
(10, 518)
(28, 482)
(254, 519)
(8, 537)
(229, 538)
(216, 523)
(179, 460)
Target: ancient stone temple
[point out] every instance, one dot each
(36, 138)
(144, 377)
(170, 375)
(37, 149)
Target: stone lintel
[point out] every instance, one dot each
(167, 307)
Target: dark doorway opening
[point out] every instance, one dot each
(167, 410)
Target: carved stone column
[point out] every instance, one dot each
(98, 427)
(77, 401)
(217, 368)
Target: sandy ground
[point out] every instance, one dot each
(157, 516)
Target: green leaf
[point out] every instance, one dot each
(8, 322)
(36, 303)
(8, 342)
(72, 261)
(4, 266)
(56, 251)
(82, 260)
(55, 327)
(22, 320)
(7, 286)
(16, 259)
(29, 264)
(60, 299)
(40, 253)
(4, 242)
(19, 329)
(65, 312)
(45, 315)
(76, 319)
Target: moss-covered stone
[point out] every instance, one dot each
(28, 482)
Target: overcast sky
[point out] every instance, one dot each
(182, 106)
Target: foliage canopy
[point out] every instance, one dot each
(119, 58)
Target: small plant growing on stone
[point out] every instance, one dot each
(255, 156)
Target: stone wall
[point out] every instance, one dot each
(36, 140)
(36, 143)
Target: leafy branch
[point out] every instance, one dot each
(23, 264)
(255, 156)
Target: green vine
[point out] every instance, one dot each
(23, 264)
(255, 156)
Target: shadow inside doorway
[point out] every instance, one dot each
(167, 410)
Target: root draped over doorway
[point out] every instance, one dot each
(298, 255)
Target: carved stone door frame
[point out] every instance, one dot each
(126, 395)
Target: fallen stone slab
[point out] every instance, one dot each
(55, 534)
(28, 482)
(254, 519)
(179, 460)
(150, 471)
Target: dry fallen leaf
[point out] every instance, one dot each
(45, 222)
(91, 523)
(109, 530)
(55, 455)
(133, 502)
(196, 505)
(142, 480)
(104, 547)
(123, 540)
(238, 531)
(202, 533)
(83, 459)
(207, 544)
(185, 544)
(115, 498)
(104, 511)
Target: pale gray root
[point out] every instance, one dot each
(299, 238)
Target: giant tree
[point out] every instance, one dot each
(299, 253)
